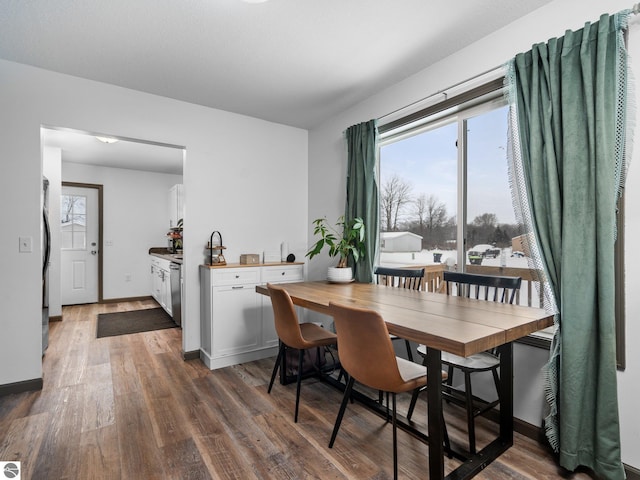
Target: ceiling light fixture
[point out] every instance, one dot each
(107, 139)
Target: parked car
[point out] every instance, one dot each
(492, 253)
(517, 254)
(475, 258)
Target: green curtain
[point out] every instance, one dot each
(569, 97)
(362, 191)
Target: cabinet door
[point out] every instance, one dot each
(176, 205)
(166, 292)
(269, 334)
(236, 319)
(156, 283)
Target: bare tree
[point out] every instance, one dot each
(69, 204)
(486, 220)
(396, 194)
(431, 217)
(482, 229)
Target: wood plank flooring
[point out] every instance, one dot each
(129, 407)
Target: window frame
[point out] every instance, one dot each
(463, 105)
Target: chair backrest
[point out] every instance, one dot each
(478, 286)
(365, 348)
(285, 318)
(400, 277)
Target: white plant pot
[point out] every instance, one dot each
(340, 275)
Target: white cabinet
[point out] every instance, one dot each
(236, 321)
(176, 204)
(160, 282)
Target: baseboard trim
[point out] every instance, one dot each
(192, 355)
(20, 387)
(126, 299)
(529, 430)
(632, 473)
(55, 318)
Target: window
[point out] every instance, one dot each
(73, 222)
(443, 177)
(447, 180)
(445, 196)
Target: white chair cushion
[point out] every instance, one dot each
(480, 361)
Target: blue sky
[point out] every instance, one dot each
(428, 161)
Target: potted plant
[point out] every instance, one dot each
(343, 239)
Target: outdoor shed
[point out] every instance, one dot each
(400, 242)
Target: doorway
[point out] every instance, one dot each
(80, 241)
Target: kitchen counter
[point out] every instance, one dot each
(164, 253)
(243, 265)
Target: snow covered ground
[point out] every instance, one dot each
(425, 257)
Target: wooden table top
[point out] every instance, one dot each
(449, 323)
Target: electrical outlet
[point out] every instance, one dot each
(127, 277)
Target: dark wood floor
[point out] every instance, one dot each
(129, 407)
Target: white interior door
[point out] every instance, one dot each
(79, 245)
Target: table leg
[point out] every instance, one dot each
(506, 393)
(434, 415)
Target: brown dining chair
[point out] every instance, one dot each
(409, 278)
(480, 287)
(367, 355)
(301, 336)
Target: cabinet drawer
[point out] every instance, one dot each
(235, 276)
(291, 273)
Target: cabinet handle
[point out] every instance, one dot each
(237, 288)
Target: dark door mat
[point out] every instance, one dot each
(136, 321)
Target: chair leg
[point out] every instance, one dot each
(470, 416)
(409, 352)
(343, 407)
(395, 438)
(276, 366)
(300, 359)
(447, 442)
(449, 380)
(412, 404)
(496, 381)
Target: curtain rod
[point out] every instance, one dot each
(635, 10)
(444, 91)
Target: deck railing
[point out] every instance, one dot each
(433, 279)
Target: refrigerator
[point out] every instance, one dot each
(46, 255)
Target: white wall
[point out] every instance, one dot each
(135, 218)
(327, 170)
(243, 176)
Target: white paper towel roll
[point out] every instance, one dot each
(284, 251)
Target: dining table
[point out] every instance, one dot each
(448, 323)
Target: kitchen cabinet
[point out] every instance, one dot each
(176, 204)
(160, 282)
(236, 322)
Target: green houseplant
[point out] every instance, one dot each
(343, 239)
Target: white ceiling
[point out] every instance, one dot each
(296, 62)
(80, 147)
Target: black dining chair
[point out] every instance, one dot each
(409, 278)
(481, 287)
